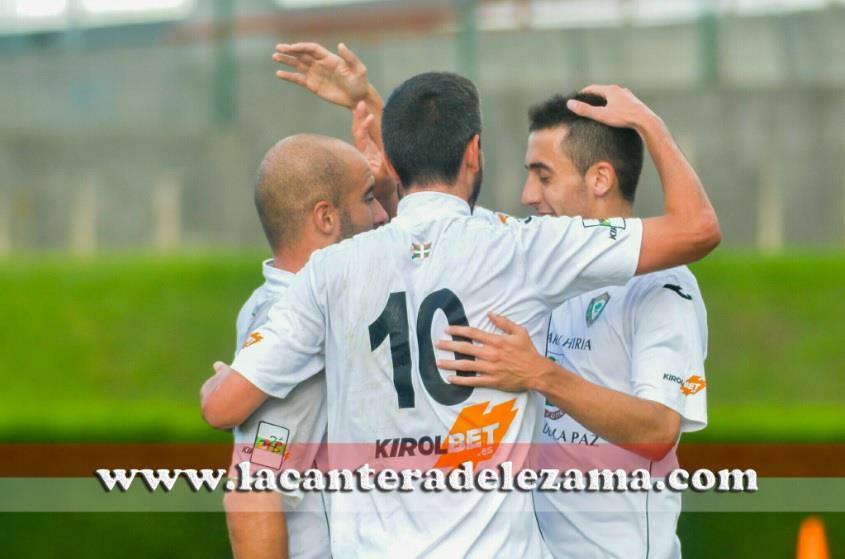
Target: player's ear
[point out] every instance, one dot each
(601, 178)
(326, 219)
(472, 156)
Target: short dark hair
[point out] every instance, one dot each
(588, 141)
(426, 125)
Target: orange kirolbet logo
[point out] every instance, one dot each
(254, 338)
(476, 433)
(693, 385)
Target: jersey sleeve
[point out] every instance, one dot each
(289, 347)
(244, 322)
(495, 218)
(566, 257)
(298, 422)
(668, 350)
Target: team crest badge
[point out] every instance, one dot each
(420, 251)
(270, 444)
(613, 222)
(595, 308)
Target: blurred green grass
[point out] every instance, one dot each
(203, 535)
(116, 348)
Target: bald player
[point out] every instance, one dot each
(312, 191)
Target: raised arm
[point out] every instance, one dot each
(337, 78)
(341, 79)
(689, 228)
(364, 137)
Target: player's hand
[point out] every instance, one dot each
(221, 368)
(338, 78)
(221, 371)
(364, 137)
(228, 399)
(623, 109)
(506, 361)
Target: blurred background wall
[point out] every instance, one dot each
(139, 124)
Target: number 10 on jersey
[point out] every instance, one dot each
(393, 324)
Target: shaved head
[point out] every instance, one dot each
(297, 173)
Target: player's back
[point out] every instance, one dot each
(368, 311)
(390, 294)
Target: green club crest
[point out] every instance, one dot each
(596, 306)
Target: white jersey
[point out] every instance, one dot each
(368, 309)
(265, 438)
(646, 339)
(491, 216)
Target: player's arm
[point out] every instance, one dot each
(288, 349)
(689, 228)
(257, 527)
(363, 134)
(511, 362)
(228, 399)
(256, 520)
(342, 79)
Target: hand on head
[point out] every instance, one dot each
(623, 109)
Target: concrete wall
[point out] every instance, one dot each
(122, 134)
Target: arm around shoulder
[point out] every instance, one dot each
(230, 400)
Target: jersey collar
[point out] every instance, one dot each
(430, 206)
(276, 279)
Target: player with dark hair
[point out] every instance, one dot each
(587, 142)
(654, 325)
(625, 374)
(426, 125)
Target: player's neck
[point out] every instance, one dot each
(290, 261)
(617, 207)
(442, 188)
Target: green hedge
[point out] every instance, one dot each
(116, 348)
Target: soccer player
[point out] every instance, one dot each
(597, 178)
(311, 192)
(368, 309)
(626, 374)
